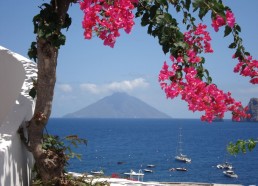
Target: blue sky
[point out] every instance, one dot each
(88, 71)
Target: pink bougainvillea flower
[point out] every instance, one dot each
(200, 38)
(106, 18)
(199, 95)
(230, 18)
(218, 22)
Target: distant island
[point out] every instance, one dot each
(118, 105)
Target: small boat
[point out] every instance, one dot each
(225, 165)
(230, 173)
(181, 157)
(101, 172)
(181, 169)
(151, 166)
(148, 170)
(120, 162)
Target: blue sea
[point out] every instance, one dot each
(139, 142)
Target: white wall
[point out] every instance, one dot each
(16, 107)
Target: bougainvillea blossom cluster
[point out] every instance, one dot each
(219, 21)
(106, 17)
(248, 67)
(198, 94)
(200, 38)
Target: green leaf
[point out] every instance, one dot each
(187, 4)
(153, 10)
(68, 22)
(149, 31)
(238, 28)
(206, 72)
(33, 92)
(179, 74)
(178, 8)
(227, 31)
(165, 49)
(145, 19)
(202, 12)
(238, 54)
(32, 52)
(232, 45)
(247, 53)
(209, 80)
(251, 144)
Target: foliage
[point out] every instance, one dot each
(241, 146)
(64, 145)
(63, 149)
(33, 90)
(47, 25)
(70, 180)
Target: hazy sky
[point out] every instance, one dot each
(88, 71)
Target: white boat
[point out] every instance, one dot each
(181, 169)
(181, 157)
(148, 170)
(133, 174)
(225, 165)
(150, 166)
(230, 173)
(101, 172)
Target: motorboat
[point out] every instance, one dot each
(181, 169)
(230, 173)
(101, 172)
(181, 157)
(148, 170)
(150, 166)
(225, 165)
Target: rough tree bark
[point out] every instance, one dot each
(47, 163)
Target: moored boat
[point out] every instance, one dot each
(230, 173)
(181, 157)
(101, 172)
(148, 170)
(181, 169)
(150, 165)
(225, 165)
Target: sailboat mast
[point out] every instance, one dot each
(179, 144)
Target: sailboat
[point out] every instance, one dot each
(180, 156)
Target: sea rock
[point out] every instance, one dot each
(253, 109)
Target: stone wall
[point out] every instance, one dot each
(16, 107)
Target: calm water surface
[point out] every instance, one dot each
(139, 142)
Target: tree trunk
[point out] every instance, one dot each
(48, 163)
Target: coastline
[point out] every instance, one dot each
(123, 181)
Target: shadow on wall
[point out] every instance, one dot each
(16, 74)
(16, 164)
